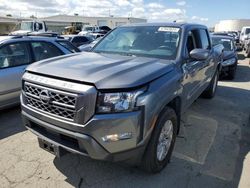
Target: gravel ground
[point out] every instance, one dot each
(212, 150)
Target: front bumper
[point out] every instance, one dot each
(87, 139)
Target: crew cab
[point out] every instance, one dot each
(122, 101)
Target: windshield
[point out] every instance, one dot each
(247, 31)
(26, 26)
(148, 41)
(88, 28)
(227, 43)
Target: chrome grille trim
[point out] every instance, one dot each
(62, 104)
(55, 83)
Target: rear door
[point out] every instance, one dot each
(14, 57)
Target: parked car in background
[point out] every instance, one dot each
(78, 40)
(247, 46)
(88, 47)
(16, 53)
(236, 36)
(230, 57)
(232, 34)
(88, 29)
(243, 36)
(123, 100)
(96, 35)
(105, 29)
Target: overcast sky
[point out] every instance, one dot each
(208, 12)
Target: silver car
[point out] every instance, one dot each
(16, 53)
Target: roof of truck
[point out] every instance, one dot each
(222, 36)
(4, 39)
(170, 24)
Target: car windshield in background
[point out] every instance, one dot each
(26, 26)
(88, 29)
(227, 43)
(148, 41)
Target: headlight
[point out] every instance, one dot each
(117, 102)
(229, 62)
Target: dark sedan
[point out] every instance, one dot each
(78, 40)
(230, 57)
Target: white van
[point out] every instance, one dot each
(244, 34)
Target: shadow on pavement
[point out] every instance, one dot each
(210, 153)
(10, 122)
(242, 74)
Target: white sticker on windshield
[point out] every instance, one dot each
(169, 29)
(225, 40)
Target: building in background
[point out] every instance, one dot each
(8, 24)
(59, 22)
(231, 25)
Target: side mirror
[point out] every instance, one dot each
(199, 54)
(36, 26)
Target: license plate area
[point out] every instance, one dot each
(50, 147)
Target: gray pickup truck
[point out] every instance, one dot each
(123, 100)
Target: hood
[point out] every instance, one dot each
(83, 33)
(228, 55)
(20, 32)
(105, 71)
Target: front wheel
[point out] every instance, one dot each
(212, 87)
(160, 147)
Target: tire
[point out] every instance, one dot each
(212, 87)
(232, 72)
(152, 161)
(248, 52)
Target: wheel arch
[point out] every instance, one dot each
(175, 104)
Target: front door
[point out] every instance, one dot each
(194, 70)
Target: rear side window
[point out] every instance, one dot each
(44, 50)
(15, 54)
(205, 44)
(68, 46)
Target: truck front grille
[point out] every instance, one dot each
(55, 102)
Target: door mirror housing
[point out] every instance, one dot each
(36, 26)
(199, 54)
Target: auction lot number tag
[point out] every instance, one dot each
(169, 29)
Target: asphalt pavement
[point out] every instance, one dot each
(212, 150)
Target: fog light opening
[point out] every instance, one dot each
(117, 137)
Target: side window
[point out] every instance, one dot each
(44, 50)
(191, 41)
(40, 26)
(15, 54)
(205, 44)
